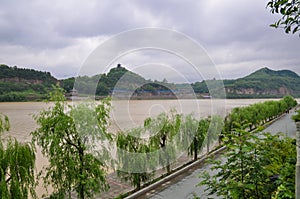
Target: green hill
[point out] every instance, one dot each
(105, 82)
(264, 83)
(17, 84)
(118, 80)
(20, 84)
(267, 73)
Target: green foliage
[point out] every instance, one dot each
(163, 130)
(134, 164)
(127, 77)
(200, 87)
(289, 101)
(24, 73)
(257, 114)
(17, 84)
(68, 84)
(4, 123)
(290, 14)
(118, 79)
(193, 133)
(280, 163)
(238, 177)
(267, 83)
(267, 73)
(216, 124)
(17, 163)
(68, 136)
(214, 87)
(27, 84)
(204, 131)
(296, 117)
(22, 96)
(254, 166)
(167, 134)
(264, 83)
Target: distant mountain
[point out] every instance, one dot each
(267, 73)
(120, 82)
(17, 84)
(20, 84)
(264, 83)
(105, 83)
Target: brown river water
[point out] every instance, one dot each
(124, 115)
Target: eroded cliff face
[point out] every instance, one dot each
(252, 91)
(21, 80)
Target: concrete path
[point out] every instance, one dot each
(285, 125)
(118, 187)
(187, 186)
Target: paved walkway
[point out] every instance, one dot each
(117, 187)
(187, 186)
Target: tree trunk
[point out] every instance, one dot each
(168, 164)
(208, 142)
(81, 184)
(195, 148)
(139, 182)
(163, 146)
(297, 183)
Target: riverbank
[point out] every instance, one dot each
(22, 123)
(186, 186)
(186, 167)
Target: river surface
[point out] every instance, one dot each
(124, 115)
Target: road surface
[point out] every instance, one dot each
(187, 186)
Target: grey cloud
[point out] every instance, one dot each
(214, 21)
(103, 18)
(235, 34)
(53, 24)
(30, 23)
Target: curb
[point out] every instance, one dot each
(151, 187)
(173, 175)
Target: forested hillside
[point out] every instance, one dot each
(120, 80)
(265, 82)
(17, 84)
(105, 82)
(20, 84)
(260, 84)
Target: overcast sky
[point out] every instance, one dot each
(58, 36)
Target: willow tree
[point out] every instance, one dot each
(70, 137)
(216, 124)
(163, 130)
(134, 165)
(194, 132)
(17, 162)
